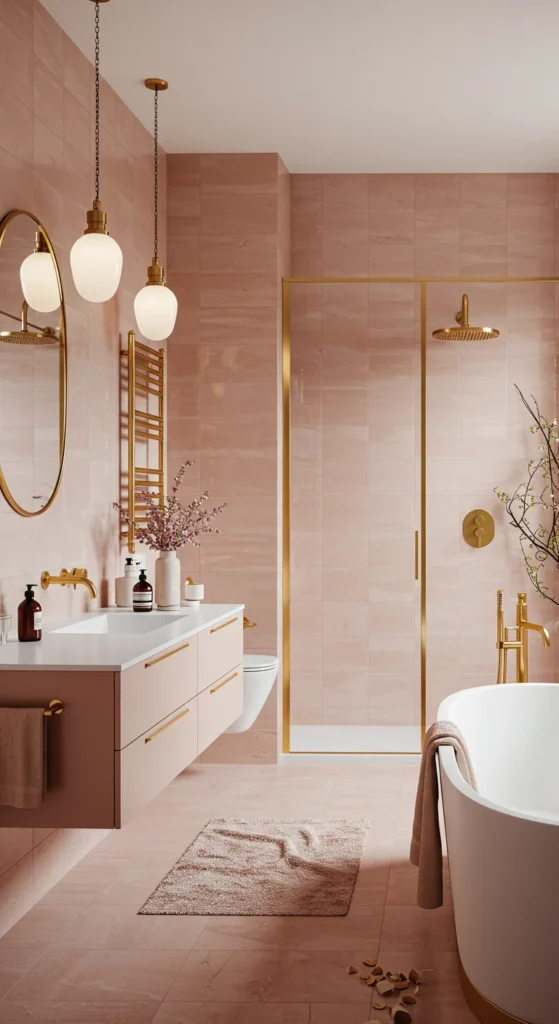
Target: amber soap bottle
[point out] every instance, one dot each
(29, 617)
(142, 594)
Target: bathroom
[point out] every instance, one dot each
(313, 245)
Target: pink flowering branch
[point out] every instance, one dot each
(170, 525)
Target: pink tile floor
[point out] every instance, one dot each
(83, 955)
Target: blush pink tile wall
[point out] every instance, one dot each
(228, 229)
(356, 422)
(46, 136)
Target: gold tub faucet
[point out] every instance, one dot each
(69, 579)
(505, 643)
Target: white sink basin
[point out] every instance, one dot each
(130, 623)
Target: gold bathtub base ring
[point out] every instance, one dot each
(482, 1008)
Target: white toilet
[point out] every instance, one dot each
(259, 675)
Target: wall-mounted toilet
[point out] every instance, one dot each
(259, 675)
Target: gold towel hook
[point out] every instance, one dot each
(56, 707)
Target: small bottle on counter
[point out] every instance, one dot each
(193, 592)
(124, 585)
(29, 617)
(142, 595)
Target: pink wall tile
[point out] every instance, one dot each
(345, 261)
(391, 227)
(391, 260)
(343, 226)
(345, 190)
(481, 227)
(239, 173)
(391, 191)
(238, 253)
(238, 213)
(530, 190)
(437, 190)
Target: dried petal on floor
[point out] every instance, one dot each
(351, 969)
(401, 1015)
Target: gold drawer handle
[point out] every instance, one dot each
(167, 725)
(216, 629)
(167, 654)
(228, 680)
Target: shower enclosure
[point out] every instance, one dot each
(391, 437)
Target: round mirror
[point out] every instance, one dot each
(33, 366)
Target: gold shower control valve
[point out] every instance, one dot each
(478, 528)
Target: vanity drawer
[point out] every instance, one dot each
(153, 760)
(219, 706)
(154, 688)
(220, 649)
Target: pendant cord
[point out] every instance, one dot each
(156, 174)
(97, 89)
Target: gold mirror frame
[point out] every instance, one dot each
(63, 368)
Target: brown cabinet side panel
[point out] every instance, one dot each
(80, 742)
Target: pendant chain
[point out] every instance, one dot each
(97, 100)
(156, 175)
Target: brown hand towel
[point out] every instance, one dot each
(22, 757)
(426, 849)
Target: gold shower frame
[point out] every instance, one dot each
(423, 282)
(144, 366)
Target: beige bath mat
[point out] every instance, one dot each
(264, 867)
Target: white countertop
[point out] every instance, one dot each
(109, 652)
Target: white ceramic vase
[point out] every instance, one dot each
(167, 581)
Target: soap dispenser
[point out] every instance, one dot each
(142, 595)
(29, 617)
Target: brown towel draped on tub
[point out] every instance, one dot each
(22, 757)
(426, 848)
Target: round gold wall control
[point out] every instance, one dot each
(478, 528)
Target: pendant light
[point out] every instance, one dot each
(38, 278)
(155, 305)
(96, 259)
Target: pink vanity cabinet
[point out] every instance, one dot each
(126, 735)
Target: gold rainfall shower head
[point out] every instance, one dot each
(465, 332)
(42, 336)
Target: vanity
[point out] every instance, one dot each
(143, 695)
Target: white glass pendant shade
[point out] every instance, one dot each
(96, 262)
(39, 283)
(156, 308)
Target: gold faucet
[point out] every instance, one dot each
(522, 626)
(520, 643)
(70, 579)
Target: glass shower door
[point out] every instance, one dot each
(354, 513)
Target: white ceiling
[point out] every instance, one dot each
(340, 85)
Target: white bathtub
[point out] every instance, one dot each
(503, 848)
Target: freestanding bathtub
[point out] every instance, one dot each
(503, 849)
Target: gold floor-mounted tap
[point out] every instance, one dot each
(69, 579)
(505, 643)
